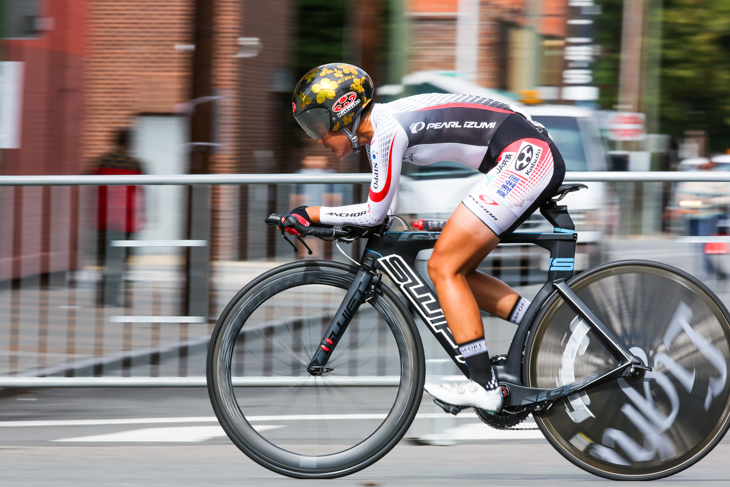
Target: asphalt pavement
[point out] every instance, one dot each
(169, 437)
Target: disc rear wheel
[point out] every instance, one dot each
(644, 427)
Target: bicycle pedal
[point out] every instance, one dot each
(448, 408)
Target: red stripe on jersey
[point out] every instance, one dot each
(377, 197)
(466, 105)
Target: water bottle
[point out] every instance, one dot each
(429, 225)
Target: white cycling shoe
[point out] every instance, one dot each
(467, 394)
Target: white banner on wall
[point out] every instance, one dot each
(11, 103)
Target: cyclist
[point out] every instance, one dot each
(522, 167)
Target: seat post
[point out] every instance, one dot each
(557, 215)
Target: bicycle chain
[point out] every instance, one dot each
(504, 420)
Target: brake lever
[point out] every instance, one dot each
(294, 246)
(305, 244)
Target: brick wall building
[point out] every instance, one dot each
(133, 66)
(140, 64)
(98, 65)
(38, 234)
(140, 61)
(502, 47)
(53, 90)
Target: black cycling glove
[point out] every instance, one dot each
(297, 217)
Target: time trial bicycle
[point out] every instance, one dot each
(315, 369)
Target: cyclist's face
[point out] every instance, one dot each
(337, 142)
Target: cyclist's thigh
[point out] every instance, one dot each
(528, 171)
(463, 244)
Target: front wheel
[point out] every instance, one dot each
(313, 426)
(640, 428)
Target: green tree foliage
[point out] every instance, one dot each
(694, 78)
(695, 71)
(321, 28)
(608, 38)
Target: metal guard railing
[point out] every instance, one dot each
(271, 179)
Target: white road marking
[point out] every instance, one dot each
(180, 434)
(105, 422)
(201, 419)
(479, 431)
(463, 432)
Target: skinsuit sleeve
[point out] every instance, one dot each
(386, 157)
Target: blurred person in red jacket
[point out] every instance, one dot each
(120, 215)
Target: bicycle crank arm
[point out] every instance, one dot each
(542, 399)
(353, 299)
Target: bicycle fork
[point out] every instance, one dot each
(355, 296)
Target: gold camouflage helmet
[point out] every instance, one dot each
(330, 96)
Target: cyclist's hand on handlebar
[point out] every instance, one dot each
(298, 223)
(295, 222)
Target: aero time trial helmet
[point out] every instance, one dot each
(332, 97)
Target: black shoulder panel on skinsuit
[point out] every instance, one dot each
(459, 123)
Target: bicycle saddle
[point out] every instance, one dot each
(564, 189)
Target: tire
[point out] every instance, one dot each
(300, 425)
(647, 427)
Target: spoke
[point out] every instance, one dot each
(284, 323)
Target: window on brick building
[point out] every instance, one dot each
(21, 19)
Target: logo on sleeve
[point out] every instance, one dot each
(487, 200)
(524, 157)
(508, 185)
(527, 158)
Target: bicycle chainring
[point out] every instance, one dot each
(504, 420)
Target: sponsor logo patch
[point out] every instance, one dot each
(484, 208)
(488, 201)
(508, 186)
(457, 124)
(473, 348)
(519, 311)
(344, 101)
(506, 159)
(417, 126)
(527, 158)
(347, 214)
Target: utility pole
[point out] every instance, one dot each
(201, 120)
(631, 54)
(198, 228)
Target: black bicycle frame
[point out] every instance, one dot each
(395, 253)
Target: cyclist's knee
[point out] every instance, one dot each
(432, 270)
(440, 268)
